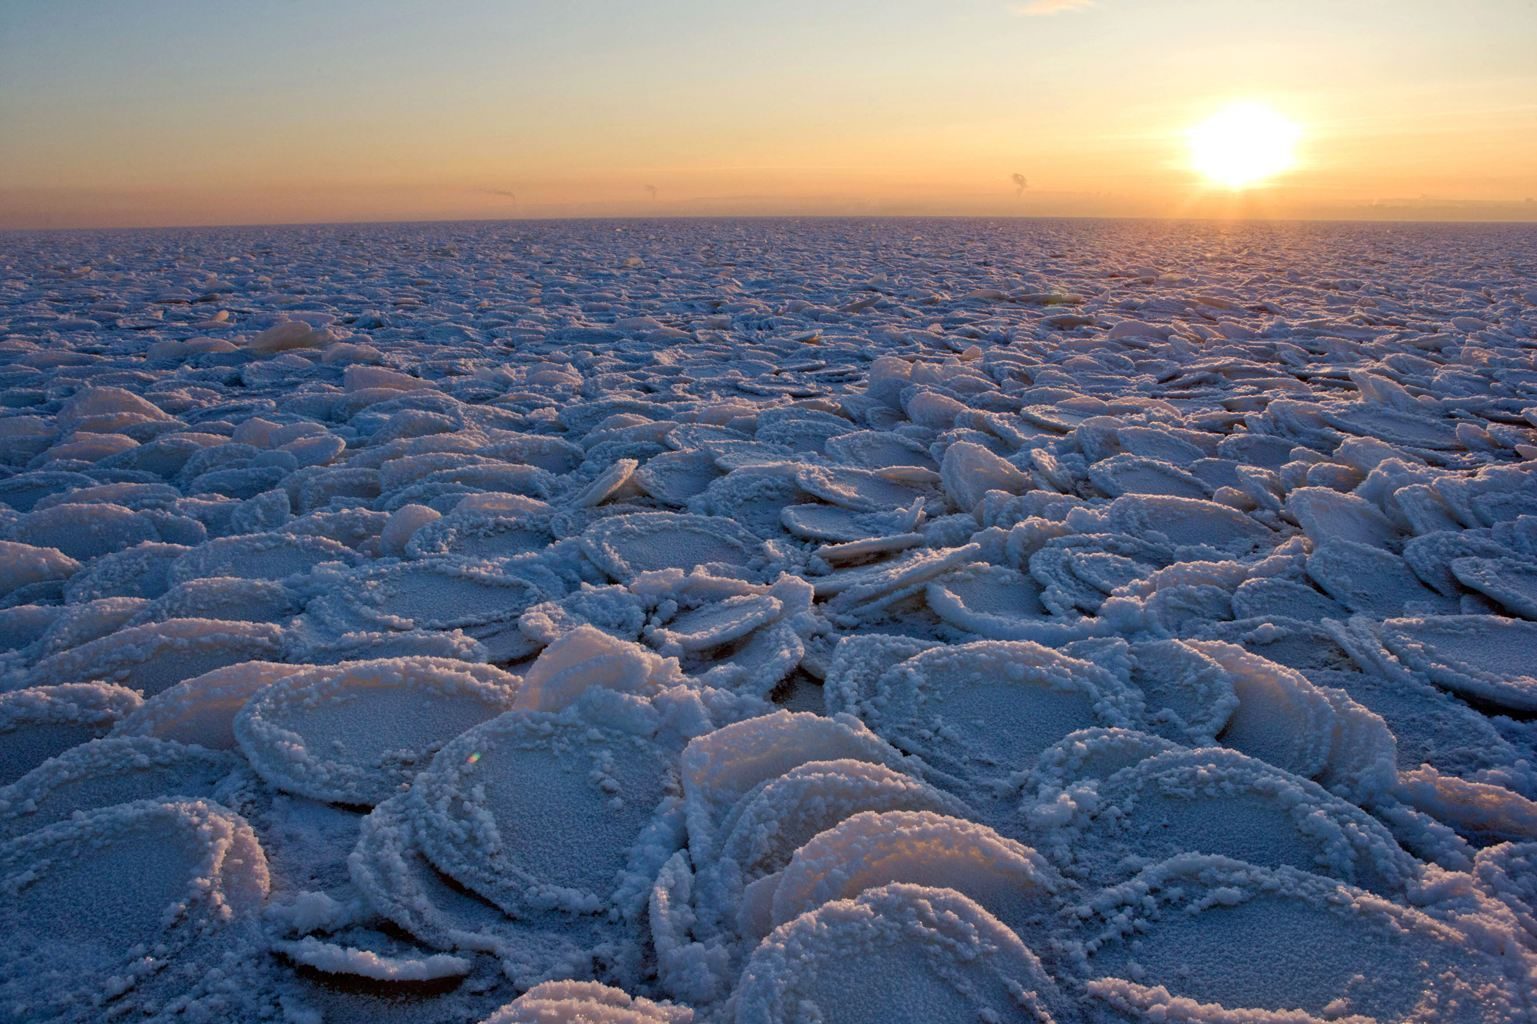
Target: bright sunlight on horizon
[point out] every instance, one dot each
(181, 113)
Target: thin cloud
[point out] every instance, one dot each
(1043, 8)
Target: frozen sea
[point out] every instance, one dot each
(769, 621)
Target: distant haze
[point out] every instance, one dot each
(177, 112)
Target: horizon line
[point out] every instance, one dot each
(1150, 218)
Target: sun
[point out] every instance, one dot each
(1244, 144)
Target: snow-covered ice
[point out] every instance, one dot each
(756, 621)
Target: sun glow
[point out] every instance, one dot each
(1244, 144)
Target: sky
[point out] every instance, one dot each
(171, 112)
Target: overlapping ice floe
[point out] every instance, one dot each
(753, 621)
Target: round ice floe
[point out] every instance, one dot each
(915, 953)
(1093, 755)
(85, 531)
(356, 732)
(1483, 656)
(984, 711)
(109, 771)
(586, 1002)
(1508, 873)
(432, 594)
(202, 709)
(675, 477)
(132, 904)
(1279, 717)
(858, 662)
(878, 449)
(720, 767)
(625, 546)
(260, 556)
(42, 721)
(868, 587)
(1222, 802)
(1328, 515)
(24, 564)
(872, 849)
(1189, 695)
(1135, 474)
(1395, 426)
(840, 525)
(1510, 583)
(998, 603)
(224, 597)
(865, 490)
(780, 814)
(539, 813)
(1372, 581)
(1244, 940)
(141, 571)
(397, 882)
(24, 490)
(1272, 598)
(157, 655)
(1187, 523)
(481, 535)
(81, 623)
(588, 658)
(969, 471)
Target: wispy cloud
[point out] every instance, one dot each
(1042, 8)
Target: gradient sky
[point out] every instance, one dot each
(163, 112)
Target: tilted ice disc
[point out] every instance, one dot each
(586, 1002)
(1372, 581)
(778, 816)
(41, 721)
(878, 449)
(158, 655)
(857, 664)
(675, 477)
(872, 849)
(720, 767)
(438, 593)
(1188, 523)
(1246, 938)
(1395, 426)
(395, 879)
(625, 546)
(481, 535)
(134, 902)
(202, 709)
(1511, 583)
(864, 490)
(1221, 802)
(900, 952)
(260, 556)
(1484, 656)
(1134, 474)
(537, 812)
(355, 733)
(988, 709)
(1279, 717)
(1093, 755)
(998, 603)
(1508, 873)
(1189, 695)
(109, 771)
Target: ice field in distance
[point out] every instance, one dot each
(769, 621)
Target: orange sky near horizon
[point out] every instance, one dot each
(178, 113)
